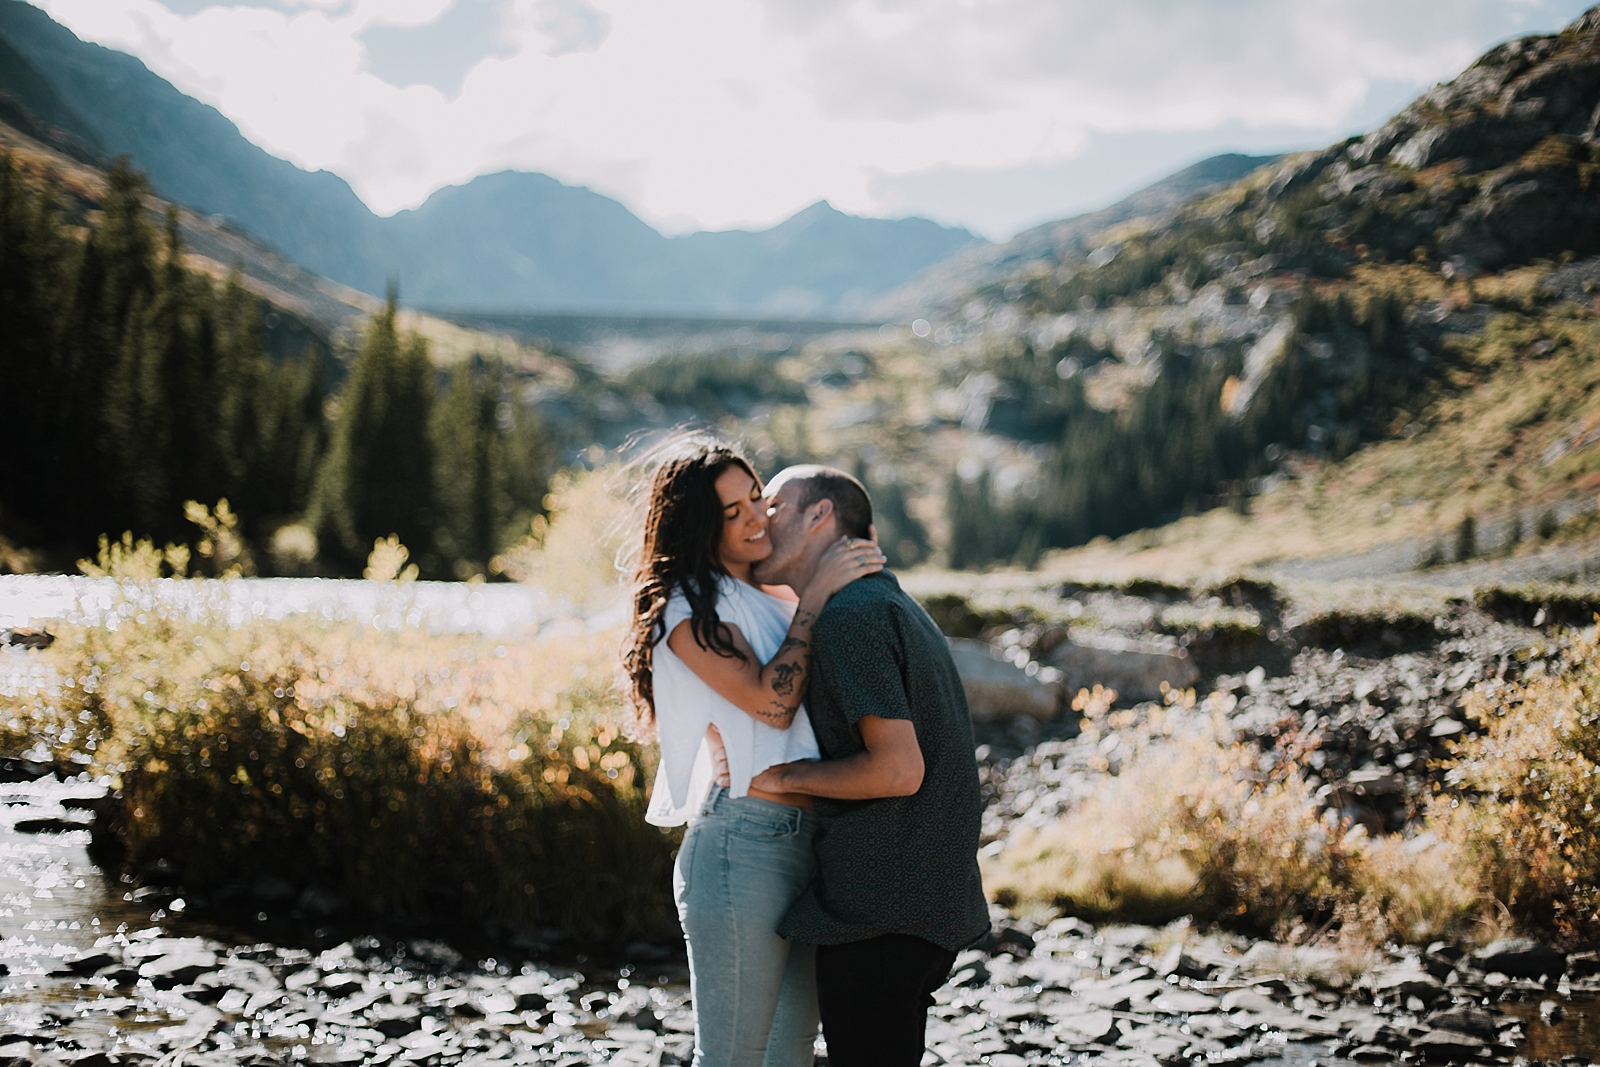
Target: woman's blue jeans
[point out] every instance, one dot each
(742, 864)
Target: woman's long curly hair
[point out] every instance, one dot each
(682, 534)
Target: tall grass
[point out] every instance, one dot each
(419, 775)
(1198, 824)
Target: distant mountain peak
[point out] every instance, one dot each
(512, 240)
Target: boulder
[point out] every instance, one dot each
(997, 688)
(1448, 1045)
(1520, 215)
(1135, 668)
(1520, 958)
(178, 968)
(1087, 1027)
(1407, 978)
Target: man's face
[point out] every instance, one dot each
(786, 532)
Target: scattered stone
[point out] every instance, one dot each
(1092, 1027)
(1448, 1045)
(178, 968)
(1521, 958)
(52, 824)
(21, 637)
(1464, 1019)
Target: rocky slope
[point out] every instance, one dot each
(1358, 349)
(943, 288)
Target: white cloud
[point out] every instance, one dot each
(726, 112)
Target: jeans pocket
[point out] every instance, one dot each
(764, 826)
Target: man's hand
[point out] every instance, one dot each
(719, 757)
(891, 766)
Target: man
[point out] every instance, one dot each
(897, 891)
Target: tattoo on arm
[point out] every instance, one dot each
(780, 716)
(790, 644)
(784, 677)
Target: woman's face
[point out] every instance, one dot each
(744, 519)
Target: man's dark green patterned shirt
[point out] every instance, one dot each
(906, 865)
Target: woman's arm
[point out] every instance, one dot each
(772, 691)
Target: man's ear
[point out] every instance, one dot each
(821, 511)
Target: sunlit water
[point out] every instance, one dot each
(493, 609)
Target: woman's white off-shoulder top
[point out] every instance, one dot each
(686, 705)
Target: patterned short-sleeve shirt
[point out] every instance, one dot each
(905, 865)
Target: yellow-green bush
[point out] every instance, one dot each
(1524, 806)
(417, 774)
(1192, 825)
(1189, 827)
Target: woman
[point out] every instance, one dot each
(719, 666)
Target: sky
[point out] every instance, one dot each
(711, 114)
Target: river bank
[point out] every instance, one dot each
(99, 972)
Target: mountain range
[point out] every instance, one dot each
(513, 240)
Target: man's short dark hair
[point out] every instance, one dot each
(851, 504)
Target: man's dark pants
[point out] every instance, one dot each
(875, 995)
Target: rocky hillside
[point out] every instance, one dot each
(946, 285)
(508, 241)
(1375, 344)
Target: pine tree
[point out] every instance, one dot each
(377, 477)
(293, 436)
(239, 386)
(491, 467)
(465, 469)
(33, 271)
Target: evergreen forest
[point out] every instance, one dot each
(134, 385)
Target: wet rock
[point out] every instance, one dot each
(89, 964)
(1405, 979)
(997, 688)
(1251, 1000)
(1176, 961)
(1185, 1002)
(1449, 1045)
(52, 824)
(1135, 668)
(1464, 1019)
(1583, 964)
(178, 968)
(21, 637)
(1520, 958)
(395, 1020)
(529, 992)
(1166, 1047)
(1087, 1027)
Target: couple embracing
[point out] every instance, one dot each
(815, 738)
